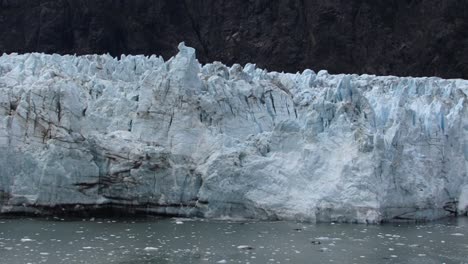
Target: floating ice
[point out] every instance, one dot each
(151, 249)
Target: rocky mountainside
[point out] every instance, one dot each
(174, 137)
(397, 37)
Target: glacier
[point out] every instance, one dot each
(177, 138)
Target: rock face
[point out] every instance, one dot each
(179, 138)
(399, 37)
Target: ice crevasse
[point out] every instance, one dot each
(174, 137)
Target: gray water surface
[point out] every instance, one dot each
(197, 241)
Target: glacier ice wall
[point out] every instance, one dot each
(179, 138)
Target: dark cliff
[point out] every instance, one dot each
(399, 37)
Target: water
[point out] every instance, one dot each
(189, 241)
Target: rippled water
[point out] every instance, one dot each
(197, 241)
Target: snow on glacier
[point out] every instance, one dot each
(180, 138)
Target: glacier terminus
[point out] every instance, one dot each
(144, 135)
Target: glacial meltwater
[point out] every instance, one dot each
(153, 240)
